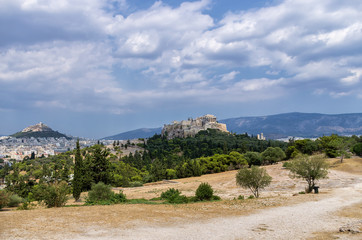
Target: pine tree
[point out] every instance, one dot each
(78, 168)
(100, 165)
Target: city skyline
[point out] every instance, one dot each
(97, 68)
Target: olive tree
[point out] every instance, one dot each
(309, 168)
(254, 178)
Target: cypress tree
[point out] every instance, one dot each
(78, 168)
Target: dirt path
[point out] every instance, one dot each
(290, 222)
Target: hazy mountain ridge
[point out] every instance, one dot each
(277, 126)
(134, 134)
(297, 124)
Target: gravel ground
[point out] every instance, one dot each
(289, 222)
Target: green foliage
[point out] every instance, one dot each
(240, 197)
(309, 168)
(170, 193)
(100, 165)
(55, 194)
(219, 163)
(204, 144)
(38, 193)
(174, 196)
(291, 152)
(102, 194)
(158, 170)
(306, 146)
(272, 155)
(15, 200)
(357, 149)
(78, 173)
(124, 174)
(171, 174)
(44, 134)
(204, 192)
(329, 145)
(285, 164)
(255, 179)
(215, 198)
(251, 197)
(253, 158)
(26, 206)
(136, 184)
(99, 192)
(4, 198)
(119, 197)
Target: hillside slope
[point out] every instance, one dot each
(134, 134)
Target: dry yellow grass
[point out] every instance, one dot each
(45, 222)
(49, 223)
(351, 165)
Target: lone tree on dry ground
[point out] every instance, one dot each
(310, 168)
(254, 178)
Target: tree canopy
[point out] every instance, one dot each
(310, 168)
(255, 179)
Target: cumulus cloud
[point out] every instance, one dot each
(66, 54)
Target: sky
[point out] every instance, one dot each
(95, 68)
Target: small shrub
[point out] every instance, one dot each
(241, 197)
(102, 194)
(4, 198)
(99, 192)
(174, 196)
(215, 198)
(15, 200)
(26, 206)
(56, 194)
(170, 193)
(285, 164)
(178, 199)
(119, 197)
(136, 184)
(302, 192)
(251, 197)
(204, 192)
(38, 193)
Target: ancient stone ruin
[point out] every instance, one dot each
(190, 127)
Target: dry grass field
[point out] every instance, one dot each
(226, 219)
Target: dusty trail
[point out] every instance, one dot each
(290, 222)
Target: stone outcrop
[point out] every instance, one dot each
(40, 127)
(355, 227)
(190, 127)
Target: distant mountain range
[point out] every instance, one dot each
(39, 130)
(134, 134)
(307, 125)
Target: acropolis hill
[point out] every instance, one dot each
(190, 127)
